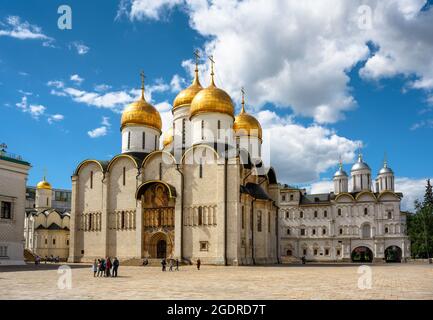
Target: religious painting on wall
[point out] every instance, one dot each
(156, 195)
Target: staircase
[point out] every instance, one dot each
(29, 256)
(151, 263)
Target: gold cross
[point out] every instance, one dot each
(243, 99)
(142, 83)
(212, 62)
(197, 56)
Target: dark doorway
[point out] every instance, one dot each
(161, 249)
(393, 254)
(362, 254)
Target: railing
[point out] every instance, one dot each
(5, 154)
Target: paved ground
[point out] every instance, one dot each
(389, 281)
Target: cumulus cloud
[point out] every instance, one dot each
(100, 131)
(177, 83)
(14, 27)
(76, 78)
(55, 118)
(298, 54)
(33, 109)
(300, 154)
(80, 47)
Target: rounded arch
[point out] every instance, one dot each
(365, 192)
(342, 194)
(362, 253)
(144, 185)
(121, 156)
(100, 165)
(387, 192)
(272, 176)
(154, 153)
(393, 254)
(198, 146)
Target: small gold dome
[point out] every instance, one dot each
(43, 185)
(246, 125)
(141, 113)
(186, 96)
(168, 137)
(212, 99)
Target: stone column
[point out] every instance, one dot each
(105, 212)
(139, 227)
(73, 222)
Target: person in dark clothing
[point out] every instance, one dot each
(198, 264)
(303, 259)
(108, 267)
(101, 270)
(163, 263)
(177, 264)
(115, 266)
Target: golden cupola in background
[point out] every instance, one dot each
(245, 124)
(44, 184)
(141, 113)
(168, 137)
(186, 96)
(212, 100)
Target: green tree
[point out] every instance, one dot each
(420, 226)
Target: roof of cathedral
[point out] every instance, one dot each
(255, 190)
(46, 211)
(186, 96)
(245, 124)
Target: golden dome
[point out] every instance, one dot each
(211, 99)
(246, 125)
(168, 137)
(186, 96)
(141, 113)
(43, 185)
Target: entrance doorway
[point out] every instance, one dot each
(393, 254)
(161, 249)
(362, 254)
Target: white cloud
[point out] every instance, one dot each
(177, 83)
(80, 47)
(55, 83)
(102, 87)
(299, 154)
(14, 27)
(98, 132)
(76, 78)
(34, 110)
(298, 54)
(55, 118)
(106, 121)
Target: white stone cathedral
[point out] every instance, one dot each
(359, 225)
(206, 194)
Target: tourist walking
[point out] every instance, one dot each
(163, 264)
(303, 259)
(198, 264)
(101, 270)
(115, 266)
(95, 268)
(171, 265)
(177, 264)
(108, 266)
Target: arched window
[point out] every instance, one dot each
(91, 179)
(287, 215)
(129, 139)
(314, 232)
(386, 230)
(341, 230)
(301, 214)
(366, 231)
(339, 211)
(200, 169)
(324, 231)
(365, 211)
(124, 176)
(288, 231)
(259, 221)
(289, 253)
(200, 216)
(143, 140)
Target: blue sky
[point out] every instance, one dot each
(343, 87)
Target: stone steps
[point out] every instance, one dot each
(29, 256)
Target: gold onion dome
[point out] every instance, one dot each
(168, 137)
(186, 96)
(212, 100)
(245, 124)
(44, 184)
(141, 113)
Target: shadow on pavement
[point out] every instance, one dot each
(40, 267)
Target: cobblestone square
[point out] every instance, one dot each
(390, 281)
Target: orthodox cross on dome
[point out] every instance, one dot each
(243, 99)
(142, 76)
(212, 62)
(45, 174)
(359, 152)
(197, 57)
(385, 160)
(340, 162)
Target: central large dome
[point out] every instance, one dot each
(212, 100)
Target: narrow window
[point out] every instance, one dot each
(315, 252)
(183, 131)
(365, 211)
(291, 197)
(200, 216)
(202, 129)
(284, 197)
(314, 232)
(325, 214)
(302, 232)
(54, 242)
(339, 212)
(46, 241)
(386, 230)
(143, 140)
(389, 215)
(301, 215)
(122, 220)
(341, 230)
(243, 217)
(155, 143)
(90, 222)
(326, 252)
(200, 169)
(91, 179)
(219, 128)
(67, 242)
(287, 215)
(315, 214)
(47, 201)
(289, 253)
(129, 140)
(288, 231)
(323, 231)
(160, 171)
(124, 176)
(304, 252)
(259, 221)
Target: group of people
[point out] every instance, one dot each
(171, 264)
(105, 267)
(51, 259)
